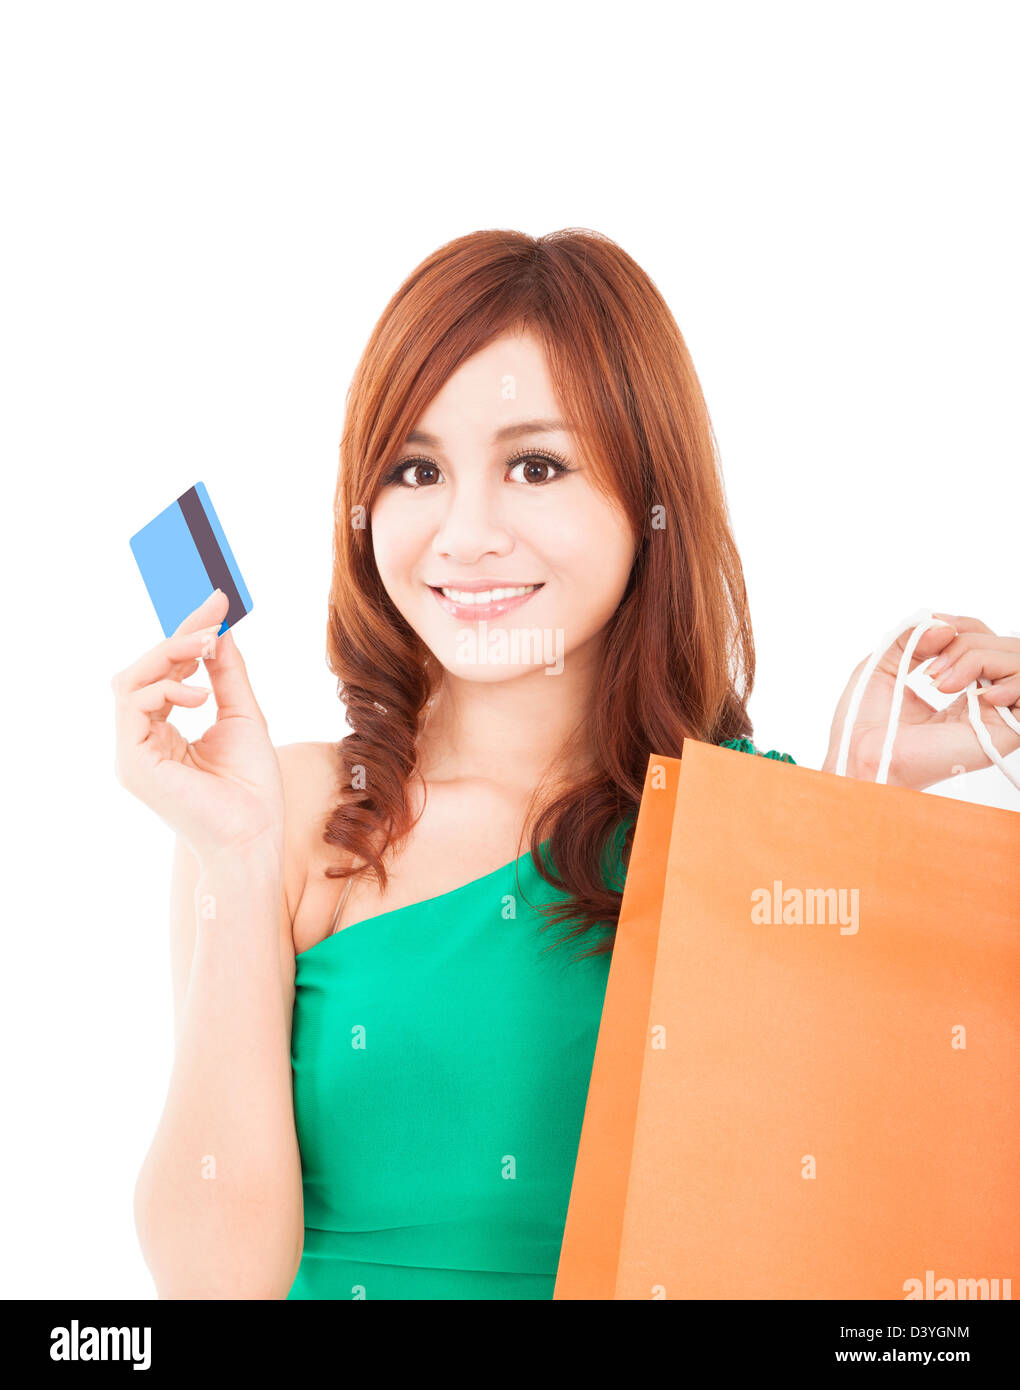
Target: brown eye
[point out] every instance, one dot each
(533, 466)
(412, 466)
(535, 470)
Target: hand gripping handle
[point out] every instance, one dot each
(920, 621)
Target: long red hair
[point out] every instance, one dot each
(678, 651)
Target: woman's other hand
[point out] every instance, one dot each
(931, 745)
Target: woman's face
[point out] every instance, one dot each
(477, 502)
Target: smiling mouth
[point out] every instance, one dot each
(485, 603)
(493, 595)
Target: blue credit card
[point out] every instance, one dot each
(183, 556)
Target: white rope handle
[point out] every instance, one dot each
(920, 621)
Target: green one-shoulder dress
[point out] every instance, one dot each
(441, 1057)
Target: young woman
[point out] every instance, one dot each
(390, 953)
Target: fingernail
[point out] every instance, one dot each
(938, 664)
(207, 637)
(944, 676)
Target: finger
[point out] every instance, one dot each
(135, 709)
(229, 678)
(209, 615)
(963, 624)
(970, 642)
(1002, 659)
(151, 697)
(935, 640)
(214, 608)
(1005, 692)
(160, 660)
(178, 672)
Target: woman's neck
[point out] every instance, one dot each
(514, 732)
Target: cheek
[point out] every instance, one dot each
(595, 547)
(394, 544)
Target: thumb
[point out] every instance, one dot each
(228, 676)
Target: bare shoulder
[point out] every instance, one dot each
(312, 788)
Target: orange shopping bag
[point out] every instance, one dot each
(806, 1078)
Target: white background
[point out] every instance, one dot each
(208, 206)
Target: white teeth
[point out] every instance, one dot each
(486, 595)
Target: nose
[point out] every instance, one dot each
(473, 523)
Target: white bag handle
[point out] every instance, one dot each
(920, 621)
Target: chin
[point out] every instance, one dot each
(486, 673)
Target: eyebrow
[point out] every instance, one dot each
(507, 432)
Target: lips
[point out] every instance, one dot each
(475, 612)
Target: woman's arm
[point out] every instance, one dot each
(218, 1200)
